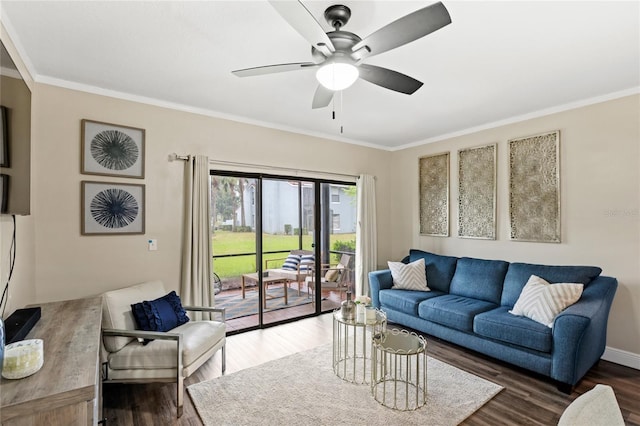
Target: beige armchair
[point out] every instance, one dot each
(170, 357)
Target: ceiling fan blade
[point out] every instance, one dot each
(404, 30)
(322, 97)
(389, 79)
(299, 17)
(271, 69)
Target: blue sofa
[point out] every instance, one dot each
(469, 302)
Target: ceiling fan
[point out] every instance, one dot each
(338, 55)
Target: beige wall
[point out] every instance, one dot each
(70, 265)
(600, 203)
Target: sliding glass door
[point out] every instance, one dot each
(234, 242)
(287, 248)
(267, 264)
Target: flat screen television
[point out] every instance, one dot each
(15, 139)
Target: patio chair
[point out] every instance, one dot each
(295, 267)
(332, 276)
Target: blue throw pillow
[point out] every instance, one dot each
(139, 315)
(162, 314)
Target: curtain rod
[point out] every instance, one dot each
(175, 156)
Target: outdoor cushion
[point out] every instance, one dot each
(479, 279)
(306, 262)
(406, 301)
(440, 269)
(409, 277)
(499, 324)
(453, 311)
(542, 301)
(332, 275)
(291, 262)
(519, 273)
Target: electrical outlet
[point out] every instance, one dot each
(153, 244)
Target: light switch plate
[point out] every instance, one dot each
(153, 244)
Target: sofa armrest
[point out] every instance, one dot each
(221, 311)
(379, 280)
(580, 331)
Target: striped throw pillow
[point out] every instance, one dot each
(412, 276)
(542, 302)
(306, 262)
(291, 263)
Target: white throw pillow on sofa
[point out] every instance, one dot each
(412, 276)
(542, 301)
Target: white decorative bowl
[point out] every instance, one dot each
(22, 359)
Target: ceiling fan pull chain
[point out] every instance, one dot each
(333, 107)
(341, 112)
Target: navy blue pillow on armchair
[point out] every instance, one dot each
(162, 314)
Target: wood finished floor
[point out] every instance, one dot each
(526, 400)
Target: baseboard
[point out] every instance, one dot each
(618, 356)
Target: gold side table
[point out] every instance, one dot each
(399, 373)
(352, 345)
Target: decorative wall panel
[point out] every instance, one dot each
(534, 188)
(434, 195)
(477, 192)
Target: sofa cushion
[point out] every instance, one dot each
(542, 301)
(479, 279)
(197, 338)
(453, 311)
(405, 301)
(410, 276)
(116, 310)
(440, 269)
(499, 324)
(519, 273)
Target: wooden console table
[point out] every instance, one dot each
(66, 390)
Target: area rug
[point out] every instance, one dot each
(237, 307)
(301, 389)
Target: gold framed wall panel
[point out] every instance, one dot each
(477, 192)
(434, 195)
(534, 188)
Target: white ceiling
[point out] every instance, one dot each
(496, 62)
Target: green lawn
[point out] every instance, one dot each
(227, 242)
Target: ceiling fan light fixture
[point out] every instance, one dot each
(337, 75)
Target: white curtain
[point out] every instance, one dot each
(366, 241)
(196, 258)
